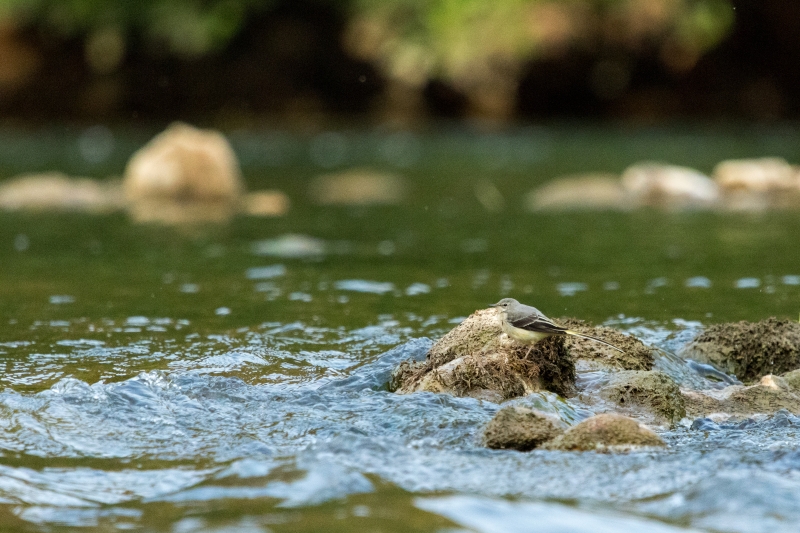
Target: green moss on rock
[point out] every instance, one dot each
(748, 350)
(476, 356)
(635, 354)
(651, 390)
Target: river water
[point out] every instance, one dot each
(234, 378)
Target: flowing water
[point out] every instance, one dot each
(234, 378)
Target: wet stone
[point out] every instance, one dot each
(520, 428)
(747, 423)
(704, 424)
(182, 176)
(606, 432)
(782, 419)
(477, 359)
(184, 163)
(54, 191)
(669, 186)
(580, 192)
(358, 186)
(749, 350)
(767, 174)
(742, 401)
(792, 379)
(593, 355)
(494, 377)
(651, 391)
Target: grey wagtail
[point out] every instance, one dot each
(528, 325)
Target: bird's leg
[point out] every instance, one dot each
(529, 351)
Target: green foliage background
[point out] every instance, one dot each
(449, 33)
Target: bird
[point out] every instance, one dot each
(528, 325)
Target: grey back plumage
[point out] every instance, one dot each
(526, 317)
(517, 311)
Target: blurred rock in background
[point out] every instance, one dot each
(182, 175)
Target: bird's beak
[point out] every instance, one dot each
(493, 305)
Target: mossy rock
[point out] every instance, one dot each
(403, 373)
(748, 350)
(793, 379)
(477, 359)
(519, 428)
(635, 354)
(769, 396)
(494, 377)
(607, 432)
(652, 390)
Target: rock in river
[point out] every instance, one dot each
(758, 184)
(591, 355)
(358, 186)
(749, 350)
(520, 428)
(768, 396)
(606, 432)
(581, 192)
(183, 166)
(477, 359)
(650, 393)
(792, 379)
(54, 191)
(669, 186)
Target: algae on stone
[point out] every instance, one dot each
(520, 428)
(793, 379)
(770, 395)
(652, 390)
(635, 354)
(477, 359)
(748, 350)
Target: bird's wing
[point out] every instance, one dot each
(537, 322)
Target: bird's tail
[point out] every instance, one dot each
(576, 334)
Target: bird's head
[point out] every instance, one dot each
(504, 304)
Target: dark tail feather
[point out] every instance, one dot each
(576, 334)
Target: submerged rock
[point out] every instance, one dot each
(606, 432)
(748, 350)
(54, 191)
(357, 187)
(758, 184)
(781, 419)
(589, 191)
(266, 204)
(770, 395)
(477, 359)
(291, 245)
(520, 428)
(161, 211)
(756, 175)
(669, 186)
(652, 391)
(591, 355)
